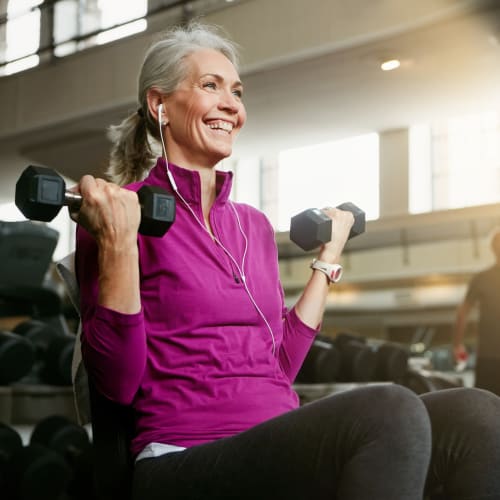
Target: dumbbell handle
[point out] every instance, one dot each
(73, 199)
(41, 192)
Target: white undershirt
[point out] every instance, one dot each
(157, 449)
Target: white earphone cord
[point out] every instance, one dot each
(226, 251)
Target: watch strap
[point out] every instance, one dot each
(332, 271)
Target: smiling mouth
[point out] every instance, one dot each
(221, 125)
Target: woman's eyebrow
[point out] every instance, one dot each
(220, 78)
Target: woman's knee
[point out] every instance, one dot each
(466, 442)
(396, 402)
(468, 410)
(391, 410)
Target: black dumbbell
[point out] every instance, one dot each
(71, 441)
(17, 356)
(358, 360)
(321, 364)
(10, 443)
(312, 227)
(422, 381)
(392, 361)
(31, 472)
(53, 351)
(41, 193)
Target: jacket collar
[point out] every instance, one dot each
(189, 181)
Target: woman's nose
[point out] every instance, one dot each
(230, 102)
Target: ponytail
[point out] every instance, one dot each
(131, 156)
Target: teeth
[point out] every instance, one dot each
(221, 125)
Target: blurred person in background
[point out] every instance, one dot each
(483, 291)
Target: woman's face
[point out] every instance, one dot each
(205, 113)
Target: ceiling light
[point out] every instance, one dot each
(390, 64)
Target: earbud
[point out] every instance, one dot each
(161, 121)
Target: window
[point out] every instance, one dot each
(75, 18)
(329, 174)
(20, 36)
(455, 163)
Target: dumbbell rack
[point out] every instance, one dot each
(26, 250)
(22, 404)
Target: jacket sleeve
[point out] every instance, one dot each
(297, 340)
(297, 336)
(113, 344)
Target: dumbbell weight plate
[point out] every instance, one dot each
(359, 225)
(358, 362)
(158, 210)
(310, 229)
(17, 356)
(10, 441)
(53, 351)
(392, 361)
(36, 473)
(58, 360)
(321, 364)
(60, 434)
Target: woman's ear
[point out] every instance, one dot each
(156, 107)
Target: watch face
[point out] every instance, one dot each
(332, 271)
(335, 274)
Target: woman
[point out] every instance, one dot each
(191, 328)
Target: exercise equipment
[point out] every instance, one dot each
(41, 193)
(72, 442)
(31, 472)
(392, 361)
(321, 364)
(312, 227)
(53, 351)
(358, 361)
(386, 361)
(10, 442)
(61, 435)
(26, 250)
(422, 381)
(17, 356)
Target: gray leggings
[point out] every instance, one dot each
(372, 443)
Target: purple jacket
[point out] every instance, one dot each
(197, 362)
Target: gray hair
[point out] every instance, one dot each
(163, 68)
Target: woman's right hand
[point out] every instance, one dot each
(108, 212)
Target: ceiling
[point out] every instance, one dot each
(448, 68)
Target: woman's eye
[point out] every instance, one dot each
(238, 93)
(210, 85)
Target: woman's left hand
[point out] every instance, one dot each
(342, 222)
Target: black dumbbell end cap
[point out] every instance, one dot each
(310, 229)
(158, 210)
(359, 225)
(40, 193)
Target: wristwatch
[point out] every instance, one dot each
(332, 271)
